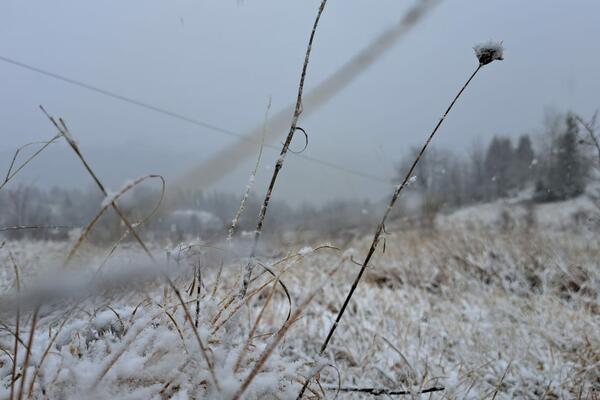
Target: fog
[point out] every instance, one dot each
(223, 62)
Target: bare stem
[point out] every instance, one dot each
(282, 154)
(395, 196)
(16, 346)
(28, 353)
(242, 207)
(381, 391)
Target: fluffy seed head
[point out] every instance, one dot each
(488, 52)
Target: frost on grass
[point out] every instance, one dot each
(488, 52)
(471, 309)
(116, 343)
(108, 199)
(305, 251)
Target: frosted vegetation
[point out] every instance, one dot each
(481, 282)
(476, 311)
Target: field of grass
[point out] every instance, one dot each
(463, 308)
(477, 312)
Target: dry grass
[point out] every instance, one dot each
(452, 313)
(284, 150)
(478, 312)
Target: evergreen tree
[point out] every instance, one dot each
(568, 172)
(524, 161)
(498, 166)
(476, 185)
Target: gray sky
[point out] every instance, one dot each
(219, 61)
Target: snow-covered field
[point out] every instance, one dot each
(478, 310)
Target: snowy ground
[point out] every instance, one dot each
(510, 311)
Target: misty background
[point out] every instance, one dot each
(221, 62)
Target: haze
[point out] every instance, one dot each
(220, 62)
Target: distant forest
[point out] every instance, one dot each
(553, 165)
(556, 168)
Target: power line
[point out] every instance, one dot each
(182, 117)
(117, 96)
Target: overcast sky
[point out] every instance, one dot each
(220, 61)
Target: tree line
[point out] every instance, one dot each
(552, 165)
(554, 168)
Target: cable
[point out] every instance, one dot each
(181, 117)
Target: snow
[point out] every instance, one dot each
(305, 250)
(553, 215)
(488, 52)
(109, 198)
(464, 307)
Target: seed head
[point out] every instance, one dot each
(488, 52)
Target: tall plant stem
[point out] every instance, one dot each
(282, 154)
(381, 226)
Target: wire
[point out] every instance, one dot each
(182, 117)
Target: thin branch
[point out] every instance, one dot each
(242, 207)
(17, 339)
(395, 196)
(485, 55)
(381, 391)
(280, 160)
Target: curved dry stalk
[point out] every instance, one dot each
(316, 373)
(311, 390)
(113, 199)
(64, 131)
(279, 336)
(254, 327)
(279, 163)
(232, 298)
(137, 224)
(239, 305)
(283, 286)
(229, 297)
(10, 173)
